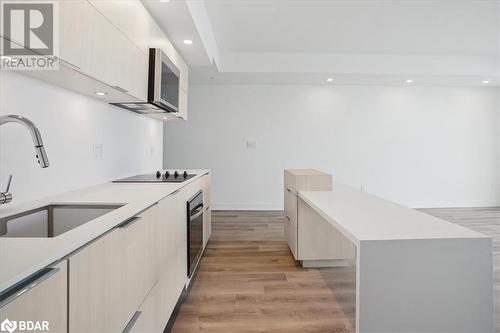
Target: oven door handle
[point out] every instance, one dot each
(198, 211)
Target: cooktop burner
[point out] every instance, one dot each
(159, 177)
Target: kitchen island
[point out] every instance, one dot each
(414, 272)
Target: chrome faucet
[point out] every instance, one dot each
(40, 153)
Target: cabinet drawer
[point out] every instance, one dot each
(307, 180)
(109, 278)
(45, 299)
(290, 227)
(290, 204)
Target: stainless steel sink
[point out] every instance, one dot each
(51, 220)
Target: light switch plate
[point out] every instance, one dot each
(98, 150)
(251, 144)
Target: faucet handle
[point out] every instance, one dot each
(6, 197)
(8, 184)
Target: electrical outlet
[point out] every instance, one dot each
(98, 149)
(251, 144)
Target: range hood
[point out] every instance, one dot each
(141, 107)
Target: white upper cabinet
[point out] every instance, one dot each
(135, 22)
(95, 47)
(74, 16)
(108, 41)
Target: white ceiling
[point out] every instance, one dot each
(313, 26)
(434, 42)
(176, 21)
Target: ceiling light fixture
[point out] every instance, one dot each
(164, 0)
(329, 79)
(100, 93)
(188, 41)
(485, 81)
(409, 81)
(165, 118)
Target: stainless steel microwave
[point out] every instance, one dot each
(163, 86)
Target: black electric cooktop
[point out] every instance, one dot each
(159, 177)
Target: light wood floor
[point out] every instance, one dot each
(249, 282)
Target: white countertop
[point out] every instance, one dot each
(21, 257)
(363, 217)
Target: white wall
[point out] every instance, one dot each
(70, 125)
(420, 146)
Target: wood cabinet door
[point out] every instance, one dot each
(95, 286)
(318, 239)
(183, 104)
(207, 225)
(290, 223)
(207, 215)
(42, 298)
(74, 41)
(109, 278)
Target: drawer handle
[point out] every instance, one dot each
(294, 194)
(288, 219)
(17, 290)
(132, 321)
(129, 222)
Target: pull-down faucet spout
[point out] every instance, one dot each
(40, 153)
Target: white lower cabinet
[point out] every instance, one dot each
(41, 299)
(291, 221)
(156, 309)
(207, 215)
(127, 280)
(310, 238)
(109, 278)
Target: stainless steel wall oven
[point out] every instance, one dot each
(195, 209)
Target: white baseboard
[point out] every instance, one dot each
(411, 204)
(247, 206)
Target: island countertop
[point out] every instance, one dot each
(414, 272)
(361, 216)
(21, 257)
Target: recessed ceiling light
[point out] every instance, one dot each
(409, 81)
(165, 118)
(100, 93)
(188, 41)
(164, 0)
(329, 79)
(485, 81)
